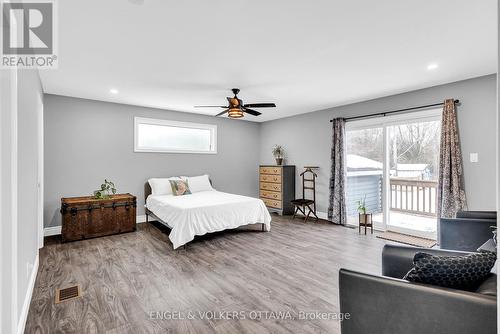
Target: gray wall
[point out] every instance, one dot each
(87, 141)
(307, 137)
(30, 108)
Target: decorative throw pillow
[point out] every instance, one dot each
(458, 272)
(179, 187)
(161, 185)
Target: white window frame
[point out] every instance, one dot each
(164, 122)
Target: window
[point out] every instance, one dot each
(157, 135)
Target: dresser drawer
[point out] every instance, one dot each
(270, 178)
(271, 170)
(272, 203)
(270, 186)
(270, 194)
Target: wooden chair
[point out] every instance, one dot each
(303, 204)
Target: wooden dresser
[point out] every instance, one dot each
(87, 217)
(277, 187)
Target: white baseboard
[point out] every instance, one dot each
(322, 215)
(55, 230)
(27, 299)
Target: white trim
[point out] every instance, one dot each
(40, 183)
(140, 219)
(27, 299)
(141, 120)
(8, 189)
(56, 230)
(386, 179)
(14, 193)
(322, 215)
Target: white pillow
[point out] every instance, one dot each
(161, 186)
(199, 183)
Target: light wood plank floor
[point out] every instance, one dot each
(124, 277)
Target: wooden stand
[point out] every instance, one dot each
(303, 204)
(365, 219)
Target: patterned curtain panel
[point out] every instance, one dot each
(337, 209)
(450, 192)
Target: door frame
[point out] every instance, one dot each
(385, 122)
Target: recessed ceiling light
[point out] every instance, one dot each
(431, 67)
(113, 91)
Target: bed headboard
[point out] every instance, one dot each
(148, 191)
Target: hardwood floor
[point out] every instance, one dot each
(126, 278)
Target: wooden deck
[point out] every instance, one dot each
(124, 278)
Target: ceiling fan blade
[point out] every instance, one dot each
(260, 105)
(252, 112)
(222, 113)
(210, 106)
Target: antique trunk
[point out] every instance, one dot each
(87, 217)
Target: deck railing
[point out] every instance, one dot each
(413, 196)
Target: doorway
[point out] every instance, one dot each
(392, 169)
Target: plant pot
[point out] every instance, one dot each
(365, 218)
(279, 161)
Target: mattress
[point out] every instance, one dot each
(205, 212)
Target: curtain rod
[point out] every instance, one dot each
(396, 111)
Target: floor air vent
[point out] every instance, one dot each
(72, 292)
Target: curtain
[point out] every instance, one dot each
(337, 208)
(450, 193)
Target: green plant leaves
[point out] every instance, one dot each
(107, 188)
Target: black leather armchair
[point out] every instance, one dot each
(387, 304)
(477, 214)
(468, 231)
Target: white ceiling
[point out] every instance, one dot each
(302, 55)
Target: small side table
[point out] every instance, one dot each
(365, 219)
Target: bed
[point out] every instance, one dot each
(204, 212)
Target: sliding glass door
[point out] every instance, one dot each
(392, 166)
(364, 160)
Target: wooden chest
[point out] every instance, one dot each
(277, 187)
(87, 217)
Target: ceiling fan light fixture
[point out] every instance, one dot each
(235, 113)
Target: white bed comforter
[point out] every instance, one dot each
(206, 211)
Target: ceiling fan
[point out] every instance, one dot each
(236, 108)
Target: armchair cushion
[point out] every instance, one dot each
(457, 272)
(466, 234)
(489, 286)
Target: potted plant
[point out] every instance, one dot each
(279, 154)
(364, 218)
(107, 189)
(362, 206)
